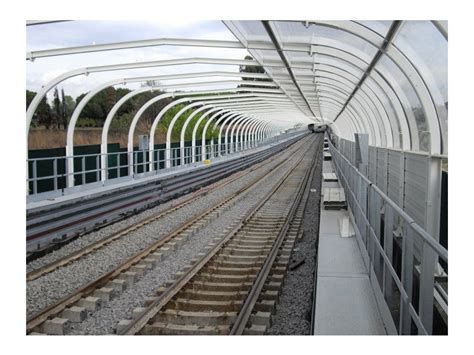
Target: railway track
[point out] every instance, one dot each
(115, 281)
(233, 288)
(33, 275)
(48, 228)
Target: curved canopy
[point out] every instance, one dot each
(384, 78)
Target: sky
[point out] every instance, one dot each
(77, 33)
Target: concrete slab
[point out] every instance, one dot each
(340, 256)
(55, 326)
(330, 221)
(347, 306)
(75, 314)
(345, 301)
(91, 303)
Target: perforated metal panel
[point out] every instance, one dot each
(395, 176)
(381, 178)
(416, 187)
(372, 163)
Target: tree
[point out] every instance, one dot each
(67, 108)
(110, 98)
(256, 69)
(57, 108)
(43, 114)
(29, 97)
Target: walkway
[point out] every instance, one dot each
(345, 303)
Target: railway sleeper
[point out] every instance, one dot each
(223, 270)
(196, 318)
(218, 286)
(224, 278)
(129, 277)
(242, 245)
(241, 258)
(261, 318)
(184, 304)
(221, 262)
(255, 329)
(246, 252)
(213, 295)
(55, 326)
(177, 329)
(91, 303)
(250, 241)
(253, 238)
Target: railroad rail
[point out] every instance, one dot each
(145, 259)
(33, 275)
(220, 293)
(48, 228)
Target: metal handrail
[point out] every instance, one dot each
(359, 189)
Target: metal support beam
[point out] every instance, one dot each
(279, 49)
(386, 42)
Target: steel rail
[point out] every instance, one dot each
(33, 275)
(57, 307)
(156, 306)
(247, 309)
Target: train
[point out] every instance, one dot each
(317, 129)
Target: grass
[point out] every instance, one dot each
(40, 138)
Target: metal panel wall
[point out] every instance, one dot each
(396, 167)
(372, 163)
(381, 166)
(416, 187)
(419, 251)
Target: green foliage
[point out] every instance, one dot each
(68, 105)
(96, 110)
(257, 69)
(29, 97)
(57, 108)
(178, 125)
(43, 115)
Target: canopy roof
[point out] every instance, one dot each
(384, 78)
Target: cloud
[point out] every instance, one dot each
(75, 33)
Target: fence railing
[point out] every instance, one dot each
(402, 255)
(88, 168)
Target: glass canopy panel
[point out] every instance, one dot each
(347, 39)
(331, 84)
(296, 32)
(381, 126)
(381, 27)
(380, 96)
(349, 73)
(252, 30)
(413, 104)
(427, 49)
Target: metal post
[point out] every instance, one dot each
(388, 248)
(55, 173)
(361, 152)
(117, 159)
(83, 164)
(428, 262)
(407, 279)
(35, 176)
(433, 200)
(98, 167)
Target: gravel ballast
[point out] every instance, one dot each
(49, 288)
(105, 320)
(293, 312)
